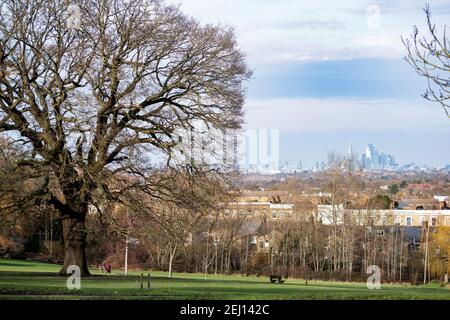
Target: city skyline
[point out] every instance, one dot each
(369, 158)
(358, 151)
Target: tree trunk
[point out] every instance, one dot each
(171, 256)
(74, 236)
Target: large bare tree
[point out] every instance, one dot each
(430, 58)
(95, 92)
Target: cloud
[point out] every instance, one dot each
(290, 30)
(312, 24)
(343, 114)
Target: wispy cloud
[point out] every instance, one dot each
(291, 30)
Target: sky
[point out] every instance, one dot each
(329, 72)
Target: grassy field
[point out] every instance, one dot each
(35, 280)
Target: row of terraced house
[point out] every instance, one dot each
(275, 205)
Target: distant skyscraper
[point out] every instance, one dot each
(363, 161)
(372, 153)
(350, 150)
(351, 158)
(373, 159)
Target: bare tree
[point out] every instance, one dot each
(170, 229)
(97, 102)
(430, 58)
(170, 225)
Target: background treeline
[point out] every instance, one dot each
(303, 248)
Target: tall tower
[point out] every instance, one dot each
(350, 157)
(350, 150)
(372, 159)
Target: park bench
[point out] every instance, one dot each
(276, 278)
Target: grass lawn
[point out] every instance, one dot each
(35, 280)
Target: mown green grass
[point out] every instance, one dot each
(35, 280)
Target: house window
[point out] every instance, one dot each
(274, 214)
(380, 233)
(408, 221)
(434, 221)
(437, 250)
